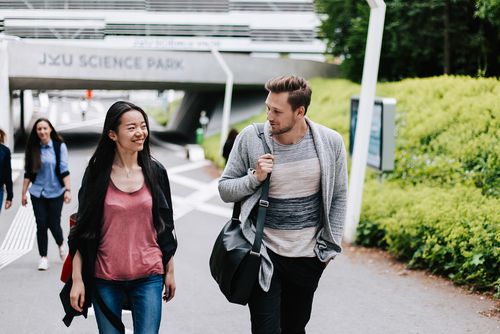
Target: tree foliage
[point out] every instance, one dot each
(421, 38)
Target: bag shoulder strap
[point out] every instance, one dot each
(263, 202)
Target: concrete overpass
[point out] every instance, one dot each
(41, 65)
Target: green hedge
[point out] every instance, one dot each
(448, 131)
(439, 209)
(452, 232)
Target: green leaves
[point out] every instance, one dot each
(439, 209)
(452, 232)
(419, 37)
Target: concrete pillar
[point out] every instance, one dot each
(21, 116)
(5, 97)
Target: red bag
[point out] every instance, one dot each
(67, 267)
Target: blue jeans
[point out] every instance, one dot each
(1, 199)
(145, 296)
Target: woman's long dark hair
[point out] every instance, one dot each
(99, 170)
(32, 160)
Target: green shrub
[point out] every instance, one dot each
(453, 233)
(447, 131)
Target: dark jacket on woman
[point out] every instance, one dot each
(88, 247)
(6, 171)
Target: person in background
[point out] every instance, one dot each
(123, 242)
(46, 169)
(5, 173)
(228, 145)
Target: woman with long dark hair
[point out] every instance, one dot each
(123, 242)
(46, 169)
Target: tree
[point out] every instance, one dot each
(424, 38)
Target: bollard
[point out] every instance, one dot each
(199, 136)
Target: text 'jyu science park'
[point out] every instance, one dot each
(110, 61)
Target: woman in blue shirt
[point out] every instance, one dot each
(46, 168)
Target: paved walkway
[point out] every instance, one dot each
(362, 291)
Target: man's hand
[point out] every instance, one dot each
(8, 204)
(264, 166)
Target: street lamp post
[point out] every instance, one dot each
(366, 100)
(227, 98)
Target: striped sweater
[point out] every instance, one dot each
(292, 218)
(238, 183)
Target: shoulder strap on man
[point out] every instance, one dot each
(259, 128)
(263, 201)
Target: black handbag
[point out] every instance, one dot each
(234, 262)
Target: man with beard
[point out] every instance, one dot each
(307, 204)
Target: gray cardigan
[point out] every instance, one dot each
(239, 184)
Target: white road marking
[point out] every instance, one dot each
(188, 167)
(215, 210)
(91, 313)
(197, 201)
(186, 181)
(20, 236)
(76, 125)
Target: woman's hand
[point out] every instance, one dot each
(67, 197)
(170, 286)
(24, 200)
(77, 295)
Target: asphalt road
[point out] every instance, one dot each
(360, 292)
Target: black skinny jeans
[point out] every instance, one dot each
(286, 307)
(48, 217)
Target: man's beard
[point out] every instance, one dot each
(282, 131)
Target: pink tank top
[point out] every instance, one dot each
(128, 249)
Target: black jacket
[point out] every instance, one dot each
(6, 171)
(88, 247)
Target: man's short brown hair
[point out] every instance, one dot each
(299, 91)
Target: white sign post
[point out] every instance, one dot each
(362, 136)
(226, 111)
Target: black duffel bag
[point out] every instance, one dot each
(234, 262)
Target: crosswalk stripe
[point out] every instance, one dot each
(20, 236)
(188, 167)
